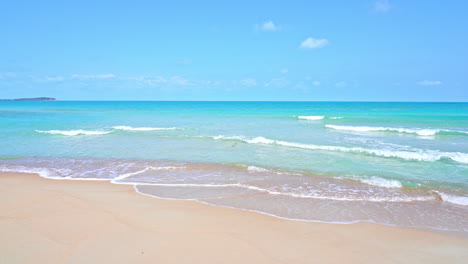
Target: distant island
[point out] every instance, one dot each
(31, 99)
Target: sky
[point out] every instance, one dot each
(361, 50)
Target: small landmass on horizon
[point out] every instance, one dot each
(31, 99)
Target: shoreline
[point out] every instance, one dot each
(49, 221)
(266, 190)
(439, 231)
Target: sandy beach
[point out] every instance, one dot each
(61, 221)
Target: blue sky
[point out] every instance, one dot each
(363, 50)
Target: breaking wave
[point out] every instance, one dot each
(318, 117)
(78, 132)
(420, 132)
(311, 117)
(381, 182)
(453, 199)
(416, 154)
(81, 132)
(129, 128)
(257, 169)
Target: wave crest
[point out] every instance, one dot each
(311, 117)
(419, 132)
(381, 182)
(453, 199)
(417, 154)
(129, 128)
(257, 169)
(78, 132)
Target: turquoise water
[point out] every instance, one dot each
(393, 163)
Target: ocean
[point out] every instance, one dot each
(403, 164)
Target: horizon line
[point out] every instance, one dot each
(280, 101)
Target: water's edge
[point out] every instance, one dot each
(290, 196)
(463, 235)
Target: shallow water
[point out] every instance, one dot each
(400, 164)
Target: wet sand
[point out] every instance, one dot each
(61, 221)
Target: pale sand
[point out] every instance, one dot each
(59, 221)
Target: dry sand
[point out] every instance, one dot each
(60, 221)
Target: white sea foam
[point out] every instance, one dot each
(381, 182)
(46, 173)
(384, 199)
(126, 175)
(241, 138)
(78, 132)
(260, 169)
(297, 195)
(168, 168)
(454, 199)
(260, 140)
(21, 169)
(417, 131)
(458, 157)
(257, 169)
(129, 128)
(121, 180)
(416, 154)
(311, 117)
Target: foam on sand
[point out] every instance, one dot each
(106, 216)
(127, 175)
(310, 195)
(122, 179)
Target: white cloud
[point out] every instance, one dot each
(105, 76)
(53, 79)
(136, 78)
(311, 43)
(151, 80)
(249, 82)
(341, 84)
(177, 80)
(277, 82)
(268, 26)
(143, 79)
(205, 83)
(382, 6)
(316, 83)
(93, 77)
(284, 71)
(7, 75)
(156, 80)
(429, 83)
